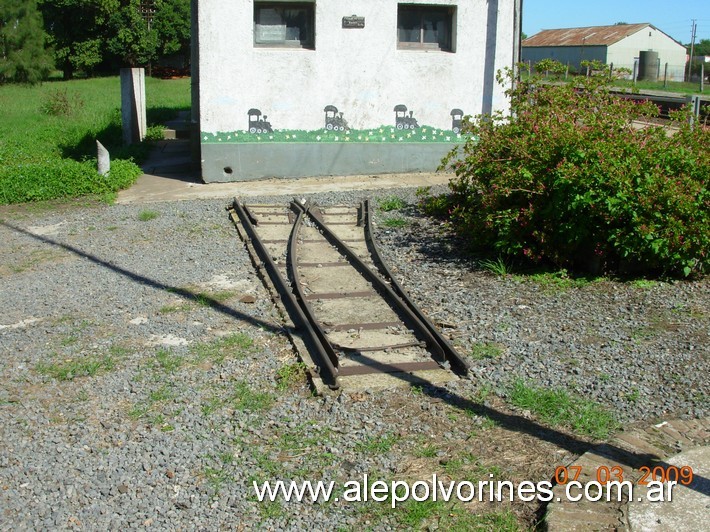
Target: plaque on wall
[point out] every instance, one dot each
(353, 21)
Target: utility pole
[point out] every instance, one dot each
(147, 11)
(694, 28)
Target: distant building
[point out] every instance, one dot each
(301, 88)
(620, 44)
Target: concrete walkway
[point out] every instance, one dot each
(664, 446)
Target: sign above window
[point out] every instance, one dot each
(354, 21)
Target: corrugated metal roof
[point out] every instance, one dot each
(590, 36)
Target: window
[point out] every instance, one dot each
(425, 27)
(284, 24)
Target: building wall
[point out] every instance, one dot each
(360, 71)
(624, 52)
(572, 55)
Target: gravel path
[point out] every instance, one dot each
(146, 380)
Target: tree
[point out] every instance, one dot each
(701, 48)
(23, 56)
(78, 31)
(172, 22)
(91, 35)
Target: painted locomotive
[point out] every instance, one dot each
(402, 120)
(456, 120)
(257, 124)
(334, 120)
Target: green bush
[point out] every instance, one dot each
(568, 179)
(63, 178)
(48, 130)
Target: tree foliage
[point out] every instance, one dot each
(23, 56)
(568, 179)
(133, 39)
(77, 29)
(172, 22)
(700, 48)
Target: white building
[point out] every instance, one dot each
(620, 45)
(343, 87)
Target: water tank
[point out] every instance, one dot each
(648, 66)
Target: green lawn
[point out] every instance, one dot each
(48, 134)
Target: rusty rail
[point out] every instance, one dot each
(327, 370)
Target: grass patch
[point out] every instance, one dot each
(244, 398)
(391, 203)
(377, 444)
(558, 280)
(148, 215)
(394, 222)
(168, 361)
(557, 407)
(441, 515)
(72, 368)
(213, 299)
(150, 409)
(49, 133)
(236, 345)
(427, 451)
(644, 283)
(169, 309)
(499, 266)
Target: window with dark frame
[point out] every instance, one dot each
(284, 24)
(421, 27)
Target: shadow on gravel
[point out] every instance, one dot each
(190, 296)
(574, 445)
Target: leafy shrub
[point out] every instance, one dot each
(61, 103)
(550, 66)
(568, 179)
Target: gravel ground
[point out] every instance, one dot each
(146, 380)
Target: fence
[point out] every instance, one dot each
(664, 74)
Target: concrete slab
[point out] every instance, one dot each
(151, 188)
(689, 507)
(170, 175)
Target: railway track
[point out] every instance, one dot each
(352, 321)
(666, 103)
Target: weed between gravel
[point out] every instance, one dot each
(377, 444)
(203, 299)
(236, 346)
(485, 351)
(244, 398)
(70, 369)
(394, 222)
(391, 203)
(148, 215)
(290, 375)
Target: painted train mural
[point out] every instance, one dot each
(334, 120)
(404, 128)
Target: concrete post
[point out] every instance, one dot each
(665, 76)
(133, 116)
(104, 161)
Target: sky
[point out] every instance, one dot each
(673, 19)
